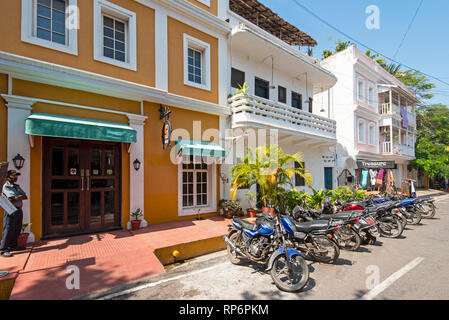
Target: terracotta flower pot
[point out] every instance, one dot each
(22, 239)
(271, 211)
(135, 224)
(252, 213)
(228, 214)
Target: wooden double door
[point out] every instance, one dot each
(81, 186)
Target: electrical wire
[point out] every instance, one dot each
(363, 45)
(409, 26)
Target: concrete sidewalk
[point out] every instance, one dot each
(107, 259)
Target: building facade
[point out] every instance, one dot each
(112, 103)
(84, 85)
(278, 105)
(375, 115)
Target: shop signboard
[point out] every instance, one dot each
(369, 164)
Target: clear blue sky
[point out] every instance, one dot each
(425, 48)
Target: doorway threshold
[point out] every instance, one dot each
(66, 235)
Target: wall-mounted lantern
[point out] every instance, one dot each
(18, 161)
(136, 164)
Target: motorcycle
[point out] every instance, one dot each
(412, 211)
(427, 208)
(367, 228)
(313, 238)
(344, 235)
(387, 216)
(265, 243)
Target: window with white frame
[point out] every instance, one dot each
(114, 40)
(196, 63)
(372, 134)
(114, 35)
(361, 89)
(361, 131)
(197, 186)
(371, 95)
(195, 58)
(51, 23)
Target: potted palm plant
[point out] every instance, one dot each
(23, 237)
(135, 223)
(271, 169)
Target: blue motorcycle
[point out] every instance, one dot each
(264, 242)
(411, 211)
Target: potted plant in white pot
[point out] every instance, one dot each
(135, 223)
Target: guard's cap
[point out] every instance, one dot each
(12, 173)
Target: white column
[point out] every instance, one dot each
(391, 102)
(136, 178)
(223, 6)
(18, 111)
(224, 71)
(391, 137)
(161, 57)
(225, 168)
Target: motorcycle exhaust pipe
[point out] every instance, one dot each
(229, 242)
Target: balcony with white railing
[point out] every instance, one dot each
(388, 148)
(389, 109)
(252, 111)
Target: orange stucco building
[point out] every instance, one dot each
(81, 103)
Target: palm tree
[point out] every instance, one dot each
(394, 69)
(270, 168)
(376, 57)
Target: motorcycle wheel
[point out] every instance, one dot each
(232, 255)
(416, 217)
(290, 281)
(403, 221)
(351, 239)
(322, 249)
(429, 211)
(391, 229)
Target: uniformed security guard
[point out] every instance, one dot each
(12, 223)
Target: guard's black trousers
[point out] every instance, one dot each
(12, 225)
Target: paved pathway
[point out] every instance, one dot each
(104, 260)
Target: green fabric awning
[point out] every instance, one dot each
(41, 124)
(198, 148)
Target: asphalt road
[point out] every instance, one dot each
(413, 266)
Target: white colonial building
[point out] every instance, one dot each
(374, 112)
(282, 82)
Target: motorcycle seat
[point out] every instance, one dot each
(245, 224)
(312, 225)
(345, 215)
(379, 207)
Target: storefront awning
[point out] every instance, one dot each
(40, 124)
(198, 148)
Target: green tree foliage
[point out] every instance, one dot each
(340, 45)
(432, 147)
(376, 57)
(417, 82)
